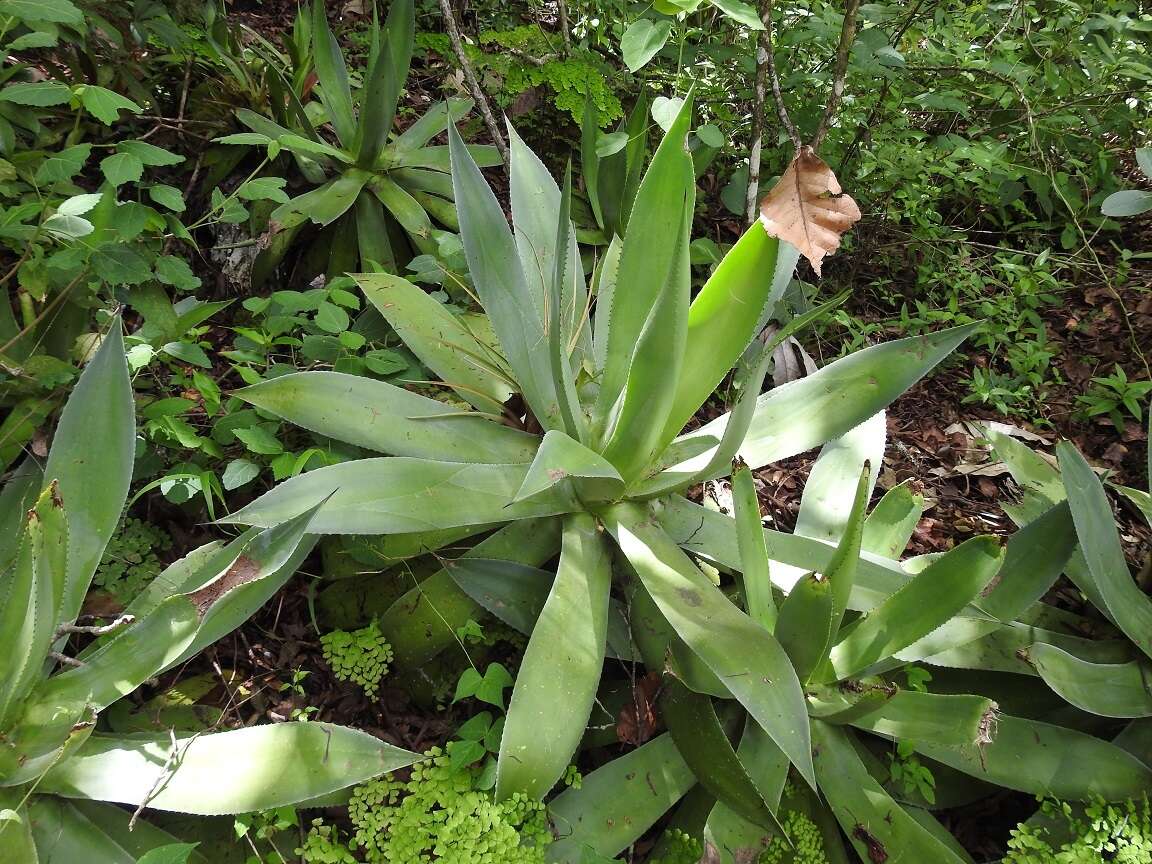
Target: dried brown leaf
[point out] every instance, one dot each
(808, 208)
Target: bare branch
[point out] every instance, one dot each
(777, 96)
(763, 51)
(474, 88)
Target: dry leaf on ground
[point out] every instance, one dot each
(808, 209)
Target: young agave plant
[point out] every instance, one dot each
(970, 615)
(381, 198)
(57, 772)
(573, 443)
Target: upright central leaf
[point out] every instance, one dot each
(495, 266)
(647, 321)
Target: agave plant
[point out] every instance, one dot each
(58, 771)
(971, 616)
(379, 197)
(574, 427)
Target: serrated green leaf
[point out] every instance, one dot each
(561, 666)
(738, 650)
(401, 494)
(617, 803)
(149, 154)
(1110, 690)
(39, 94)
(226, 772)
(1107, 568)
(121, 168)
(105, 105)
(387, 419)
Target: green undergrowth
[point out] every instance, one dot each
(130, 562)
(439, 815)
(359, 656)
(1069, 833)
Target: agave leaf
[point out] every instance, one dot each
(758, 599)
(503, 288)
(1107, 569)
(1001, 649)
(99, 409)
(371, 233)
(124, 663)
(653, 265)
(604, 287)
(387, 71)
(1034, 558)
(843, 703)
(17, 845)
(703, 744)
(633, 433)
(942, 590)
(77, 831)
(810, 411)
(745, 657)
(561, 316)
(590, 160)
(399, 494)
(28, 615)
(731, 839)
(825, 509)
(324, 204)
(561, 458)
(433, 122)
(812, 613)
(439, 339)
(438, 157)
(712, 536)
(180, 626)
(16, 499)
(667, 474)
(536, 203)
(258, 572)
(1043, 759)
(561, 667)
(805, 626)
(878, 827)
(422, 622)
(388, 419)
(1039, 482)
(749, 382)
(617, 802)
(1110, 690)
(947, 720)
(889, 526)
(1140, 499)
(239, 771)
(335, 92)
(412, 217)
(513, 593)
(421, 179)
(722, 319)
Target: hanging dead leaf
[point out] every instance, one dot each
(638, 721)
(808, 209)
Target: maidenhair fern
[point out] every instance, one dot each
(436, 815)
(130, 561)
(807, 846)
(360, 656)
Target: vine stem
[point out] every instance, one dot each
(843, 50)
